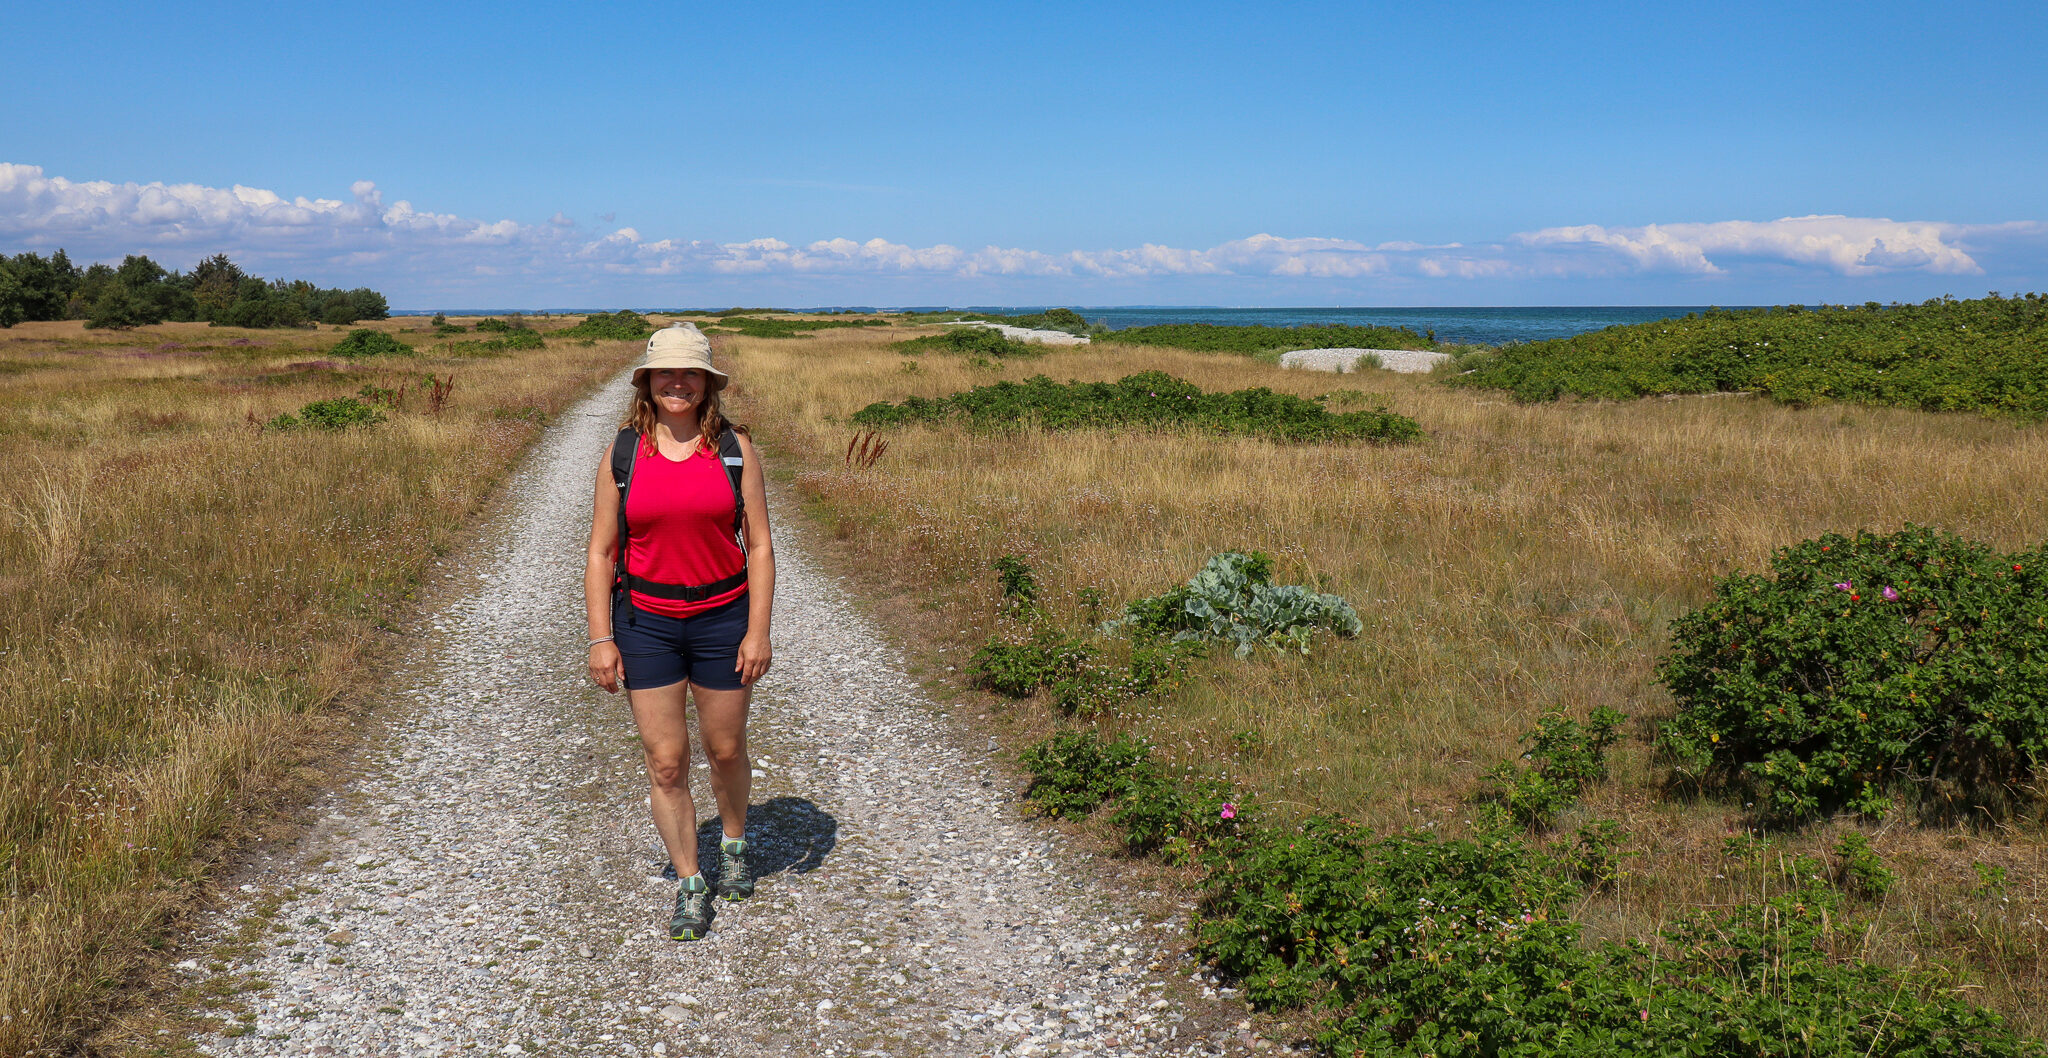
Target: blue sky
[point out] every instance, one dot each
(1359, 154)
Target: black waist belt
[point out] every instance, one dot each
(685, 592)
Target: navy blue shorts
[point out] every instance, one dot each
(659, 650)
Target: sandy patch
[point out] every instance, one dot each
(1027, 334)
(1412, 361)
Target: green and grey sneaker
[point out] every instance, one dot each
(735, 879)
(693, 910)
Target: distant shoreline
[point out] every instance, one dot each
(1456, 326)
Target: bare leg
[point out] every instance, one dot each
(665, 738)
(722, 724)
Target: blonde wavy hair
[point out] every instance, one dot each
(711, 422)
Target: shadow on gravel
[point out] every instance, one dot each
(784, 834)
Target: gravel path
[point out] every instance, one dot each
(1404, 360)
(1028, 334)
(488, 885)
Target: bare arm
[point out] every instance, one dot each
(598, 567)
(755, 653)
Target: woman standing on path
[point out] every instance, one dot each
(679, 584)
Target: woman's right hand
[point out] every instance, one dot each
(606, 667)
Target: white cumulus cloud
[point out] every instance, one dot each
(362, 237)
(1850, 246)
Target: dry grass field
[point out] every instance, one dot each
(1522, 558)
(185, 595)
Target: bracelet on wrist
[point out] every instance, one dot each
(601, 639)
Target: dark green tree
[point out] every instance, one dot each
(214, 282)
(11, 310)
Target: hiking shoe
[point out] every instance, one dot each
(735, 878)
(693, 910)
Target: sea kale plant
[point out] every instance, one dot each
(1233, 600)
(1861, 664)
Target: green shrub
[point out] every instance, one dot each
(1989, 354)
(752, 327)
(120, 309)
(1423, 945)
(337, 413)
(1074, 772)
(1014, 579)
(1269, 341)
(1050, 320)
(506, 338)
(1174, 819)
(1594, 856)
(514, 338)
(980, 341)
(365, 342)
(492, 325)
(1860, 870)
(1861, 662)
(623, 325)
(1564, 757)
(1153, 400)
(1019, 670)
(1233, 600)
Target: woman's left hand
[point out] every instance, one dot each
(753, 659)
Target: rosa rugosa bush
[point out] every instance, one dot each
(1860, 663)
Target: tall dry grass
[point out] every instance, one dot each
(183, 596)
(1522, 558)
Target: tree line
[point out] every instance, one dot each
(140, 291)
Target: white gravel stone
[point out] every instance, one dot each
(1412, 361)
(1028, 334)
(494, 865)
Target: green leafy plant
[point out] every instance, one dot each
(981, 341)
(1594, 855)
(1269, 341)
(1423, 944)
(1988, 354)
(1990, 880)
(1021, 669)
(1153, 400)
(1050, 320)
(752, 327)
(337, 413)
(1563, 757)
(623, 325)
(1014, 578)
(365, 343)
(383, 396)
(1859, 870)
(1862, 663)
(1074, 772)
(1233, 600)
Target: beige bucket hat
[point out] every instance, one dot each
(680, 346)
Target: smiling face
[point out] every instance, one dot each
(677, 391)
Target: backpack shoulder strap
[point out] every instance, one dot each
(735, 462)
(625, 452)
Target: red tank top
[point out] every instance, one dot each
(679, 528)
